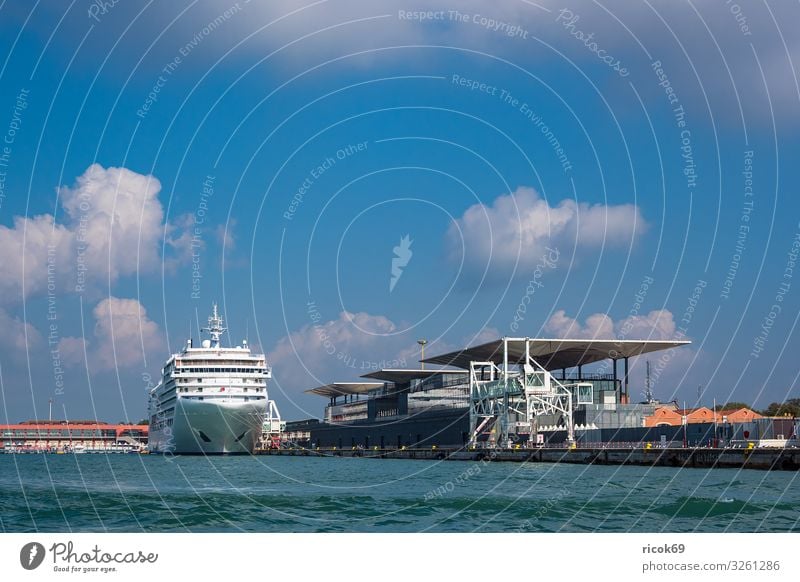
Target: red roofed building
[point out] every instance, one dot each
(55, 435)
(665, 416)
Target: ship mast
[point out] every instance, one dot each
(215, 329)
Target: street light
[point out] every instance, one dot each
(422, 343)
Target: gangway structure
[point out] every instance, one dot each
(512, 387)
(273, 428)
(508, 400)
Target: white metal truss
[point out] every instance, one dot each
(273, 427)
(498, 393)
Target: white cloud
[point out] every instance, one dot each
(324, 30)
(691, 38)
(72, 350)
(659, 324)
(30, 251)
(353, 344)
(485, 335)
(17, 334)
(124, 337)
(225, 237)
(670, 368)
(124, 333)
(520, 227)
(112, 227)
(323, 347)
(344, 348)
(598, 326)
(117, 219)
(183, 239)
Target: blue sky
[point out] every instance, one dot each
(299, 142)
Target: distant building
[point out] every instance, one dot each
(49, 435)
(666, 416)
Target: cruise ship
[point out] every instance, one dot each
(211, 399)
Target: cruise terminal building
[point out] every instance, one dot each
(510, 392)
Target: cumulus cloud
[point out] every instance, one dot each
(117, 219)
(669, 367)
(184, 238)
(344, 348)
(518, 229)
(225, 237)
(353, 344)
(597, 326)
(113, 222)
(485, 335)
(32, 250)
(659, 324)
(124, 337)
(351, 338)
(17, 334)
(72, 350)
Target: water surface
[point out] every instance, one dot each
(130, 493)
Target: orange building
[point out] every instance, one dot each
(665, 416)
(48, 435)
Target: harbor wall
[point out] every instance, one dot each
(450, 428)
(443, 428)
(783, 459)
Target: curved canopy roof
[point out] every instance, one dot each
(344, 388)
(401, 376)
(553, 354)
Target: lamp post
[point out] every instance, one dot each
(684, 421)
(422, 343)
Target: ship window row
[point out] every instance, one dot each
(169, 400)
(163, 412)
(158, 425)
(206, 363)
(228, 380)
(225, 397)
(228, 388)
(217, 370)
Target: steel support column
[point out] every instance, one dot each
(614, 360)
(503, 433)
(626, 381)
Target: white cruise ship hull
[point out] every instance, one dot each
(211, 427)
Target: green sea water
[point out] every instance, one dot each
(132, 493)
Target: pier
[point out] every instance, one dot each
(765, 459)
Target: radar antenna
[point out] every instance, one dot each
(215, 329)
